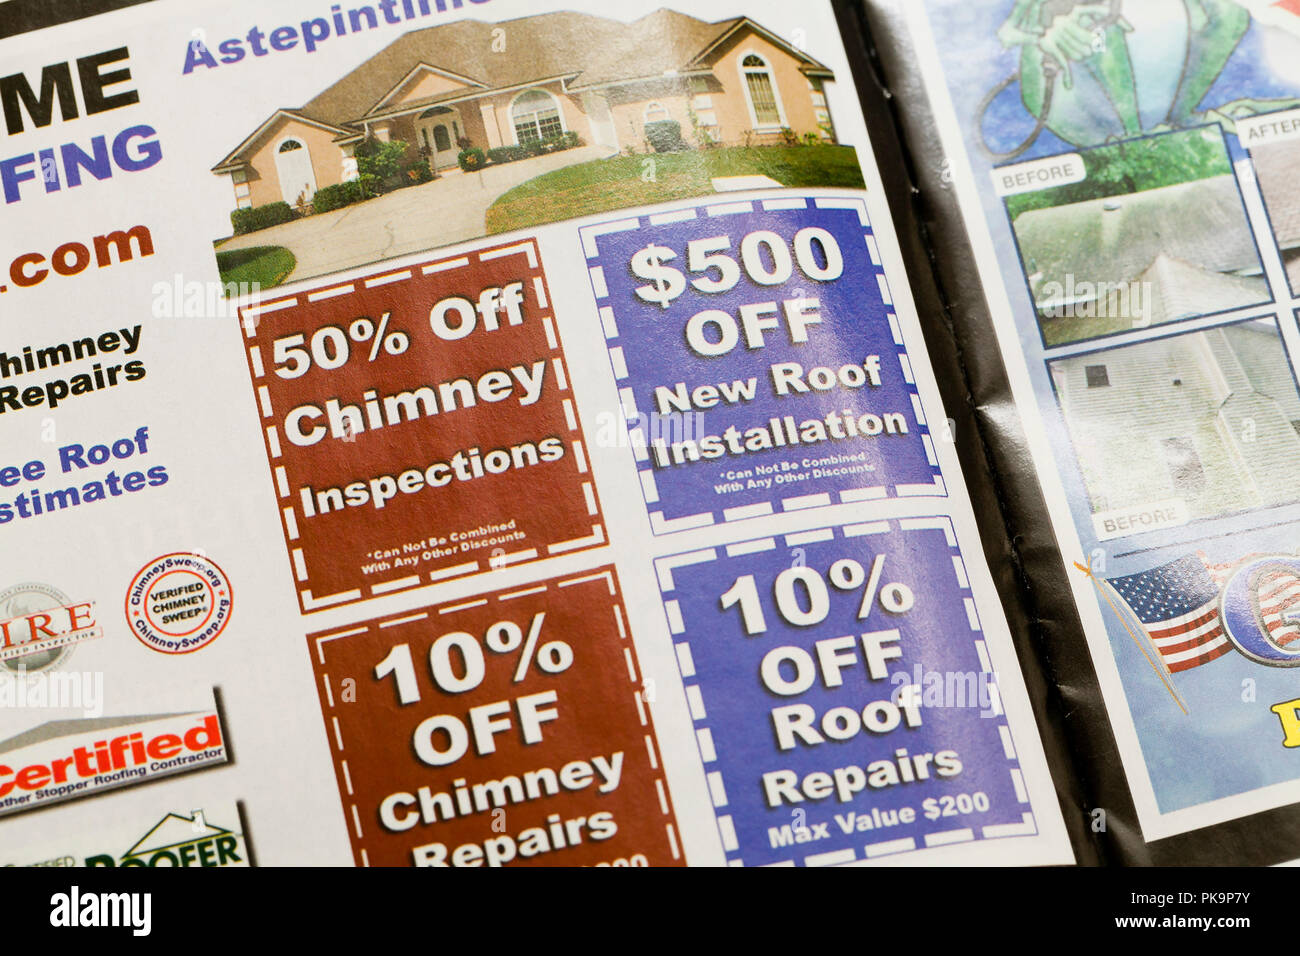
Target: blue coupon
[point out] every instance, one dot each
(760, 365)
(844, 701)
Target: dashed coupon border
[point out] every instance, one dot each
(637, 438)
(708, 746)
(629, 655)
(290, 509)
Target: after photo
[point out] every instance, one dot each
(1277, 168)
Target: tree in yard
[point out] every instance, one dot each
(380, 160)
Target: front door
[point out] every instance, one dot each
(439, 137)
(293, 166)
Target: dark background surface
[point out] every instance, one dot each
(22, 16)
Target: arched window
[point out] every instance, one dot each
(655, 112)
(289, 145)
(536, 116)
(761, 91)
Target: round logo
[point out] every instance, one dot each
(179, 603)
(21, 600)
(1261, 610)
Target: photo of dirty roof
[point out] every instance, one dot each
(1156, 233)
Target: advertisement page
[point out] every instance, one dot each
(1125, 171)
(485, 434)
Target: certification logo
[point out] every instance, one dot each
(39, 625)
(211, 836)
(179, 603)
(65, 759)
(179, 840)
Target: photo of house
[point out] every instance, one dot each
(1157, 233)
(1210, 417)
(1277, 169)
(720, 105)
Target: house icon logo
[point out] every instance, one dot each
(178, 840)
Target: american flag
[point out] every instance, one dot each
(1178, 604)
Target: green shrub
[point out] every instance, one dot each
(260, 217)
(381, 160)
(343, 194)
(416, 173)
(471, 159)
(329, 198)
(665, 136)
(507, 154)
(552, 144)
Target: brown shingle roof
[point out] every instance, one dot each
(666, 40)
(587, 50)
(590, 48)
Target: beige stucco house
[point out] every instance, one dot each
(508, 83)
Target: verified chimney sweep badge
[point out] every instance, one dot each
(179, 603)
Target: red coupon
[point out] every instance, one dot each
(419, 425)
(509, 729)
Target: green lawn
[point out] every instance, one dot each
(623, 181)
(268, 266)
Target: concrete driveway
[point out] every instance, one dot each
(450, 209)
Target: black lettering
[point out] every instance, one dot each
(55, 79)
(93, 81)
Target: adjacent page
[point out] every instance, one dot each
(1121, 170)
(481, 435)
